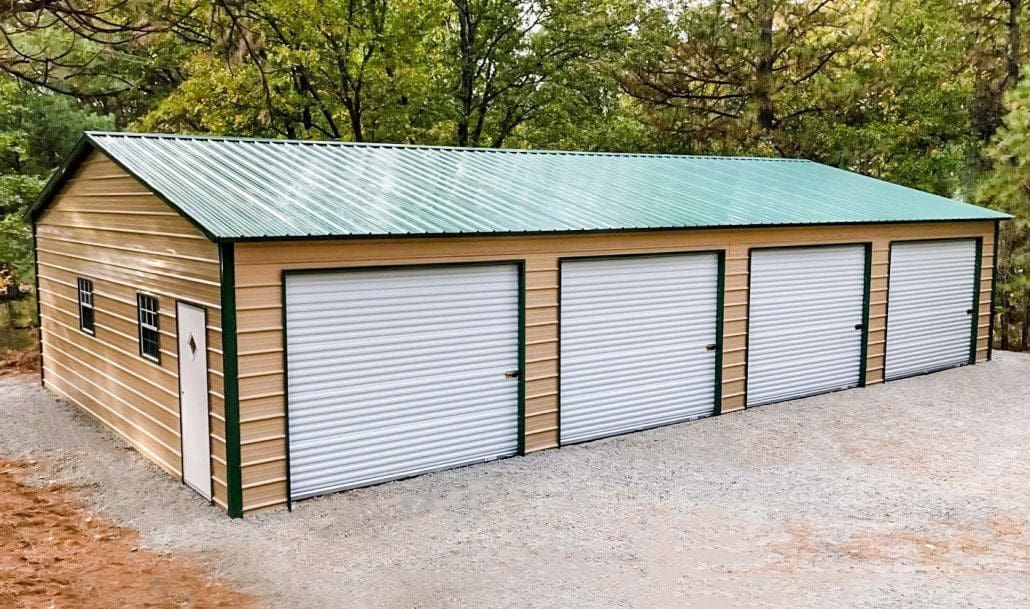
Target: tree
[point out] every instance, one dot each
(735, 75)
(517, 60)
(997, 46)
(113, 54)
(1007, 188)
(469, 72)
(902, 111)
(36, 131)
(348, 69)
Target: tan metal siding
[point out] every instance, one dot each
(259, 266)
(106, 226)
(986, 287)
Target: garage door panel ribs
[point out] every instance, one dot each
(396, 372)
(634, 332)
(930, 293)
(805, 329)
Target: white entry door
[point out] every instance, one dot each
(638, 343)
(805, 328)
(193, 404)
(930, 306)
(398, 372)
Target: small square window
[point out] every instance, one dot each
(149, 330)
(86, 315)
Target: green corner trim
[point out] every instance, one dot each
(233, 473)
(975, 322)
(522, 359)
(863, 364)
(720, 303)
(747, 329)
(39, 312)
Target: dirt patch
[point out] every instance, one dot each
(998, 540)
(22, 359)
(53, 554)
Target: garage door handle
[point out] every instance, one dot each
(711, 347)
(969, 311)
(859, 326)
(511, 374)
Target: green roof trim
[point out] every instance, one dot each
(249, 189)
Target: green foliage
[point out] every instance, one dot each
(17, 192)
(903, 116)
(113, 54)
(16, 246)
(1007, 187)
(355, 70)
(739, 77)
(37, 130)
(429, 71)
(215, 100)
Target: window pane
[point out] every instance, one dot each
(87, 319)
(85, 305)
(149, 337)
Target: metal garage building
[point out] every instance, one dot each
(272, 320)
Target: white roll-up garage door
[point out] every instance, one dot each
(930, 302)
(805, 327)
(638, 341)
(393, 373)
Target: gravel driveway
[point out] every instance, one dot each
(911, 494)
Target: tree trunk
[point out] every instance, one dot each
(764, 67)
(466, 82)
(1025, 344)
(355, 120)
(1012, 65)
(1003, 326)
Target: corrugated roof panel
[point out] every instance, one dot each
(247, 188)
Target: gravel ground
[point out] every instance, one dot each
(911, 494)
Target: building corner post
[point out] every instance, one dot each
(39, 312)
(863, 365)
(234, 478)
(720, 322)
(975, 307)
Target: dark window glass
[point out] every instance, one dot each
(86, 315)
(149, 336)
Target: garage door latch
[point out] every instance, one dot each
(711, 346)
(511, 374)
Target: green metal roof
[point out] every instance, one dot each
(236, 188)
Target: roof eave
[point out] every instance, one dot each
(645, 229)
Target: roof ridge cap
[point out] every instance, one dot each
(463, 149)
